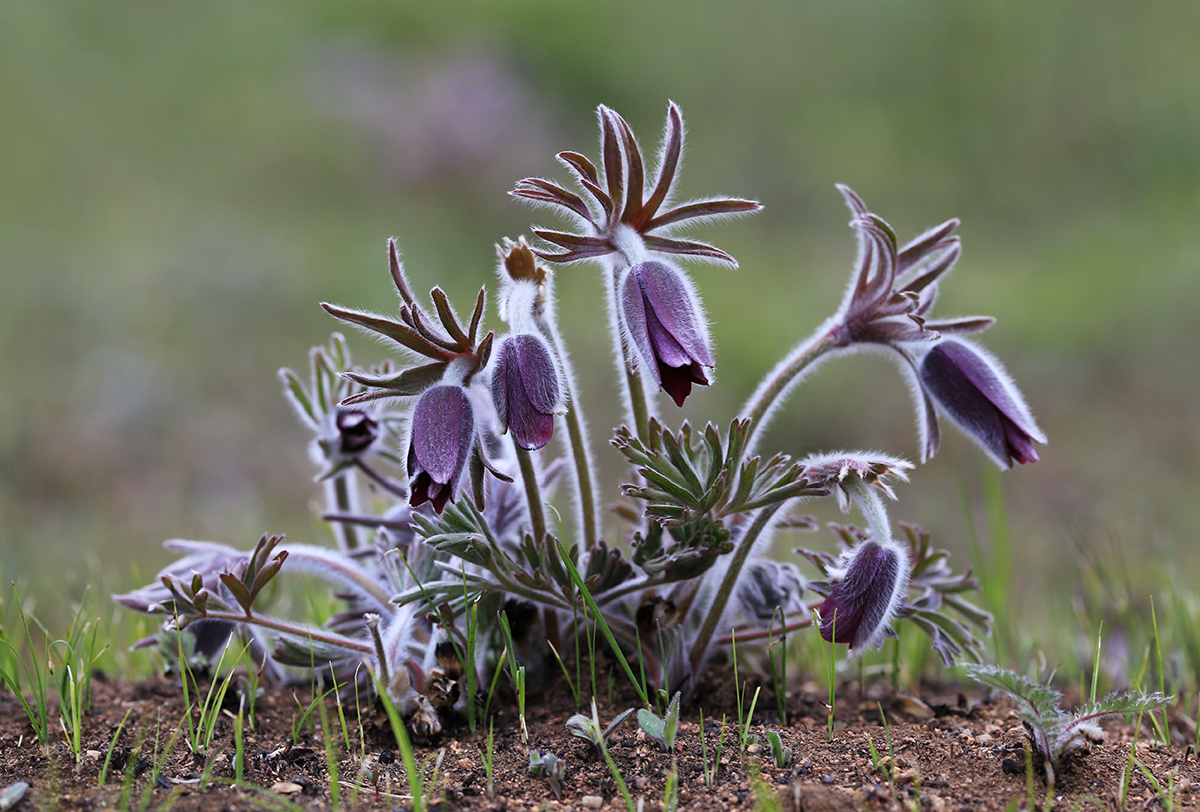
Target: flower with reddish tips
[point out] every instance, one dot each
(840, 472)
(666, 328)
(525, 390)
(973, 389)
(618, 196)
(866, 595)
(440, 440)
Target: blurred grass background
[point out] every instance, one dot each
(180, 184)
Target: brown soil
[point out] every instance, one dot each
(952, 751)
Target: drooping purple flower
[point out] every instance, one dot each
(441, 435)
(357, 430)
(975, 391)
(525, 390)
(865, 599)
(666, 327)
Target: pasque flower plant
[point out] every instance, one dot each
(466, 434)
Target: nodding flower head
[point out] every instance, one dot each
(867, 592)
(357, 430)
(978, 395)
(525, 390)
(665, 327)
(441, 437)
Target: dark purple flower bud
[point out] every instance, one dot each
(975, 391)
(666, 328)
(866, 598)
(525, 390)
(357, 430)
(441, 436)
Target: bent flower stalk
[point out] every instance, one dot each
(461, 439)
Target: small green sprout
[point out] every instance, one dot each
(782, 755)
(548, 766)
(661, 729)
(588, 728)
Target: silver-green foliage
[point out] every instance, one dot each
(1055, 732)
(661, 728)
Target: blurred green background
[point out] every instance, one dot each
(181, 184)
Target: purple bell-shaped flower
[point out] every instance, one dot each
(525, 390)
(666, 327)
(977, 394)
(441, 435)
(865, 599)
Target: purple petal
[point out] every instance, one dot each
(633, 308)
(976, 393)
(538, 373)
(668, 296)
(443, 428)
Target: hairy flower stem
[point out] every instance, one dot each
(303, 632)
(391, 486)
(533, 494)
(638, 408)
(537, 522)
(786, 375)
(577, 441)
(372, 622)
(871, 504)
(762, 634)
(637, 400)
(343, 497)
(717, 608)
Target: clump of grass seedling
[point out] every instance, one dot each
(516, 673)
(744, 737)
(1165, 794)
(488, 755)
(36, 680)
(766, 798)
(661, 728)
(778, 664)
(670, 801)
(1054, 732)
(103, 776)
(549, 767)
(829, 660)
(711, 769)
(886, 767)
(414, 773)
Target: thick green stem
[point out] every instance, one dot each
(345, 501)
(577, 441)
(638, 404)
(533, 494)
(786, 374)
(537, 521)
(717, 608)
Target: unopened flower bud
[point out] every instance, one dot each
(666, 327)
(525, 390)
(977, 394)
(357, 430)
(866, 597)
